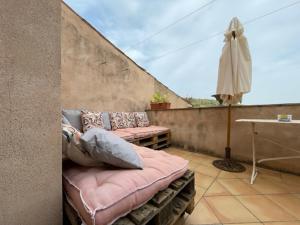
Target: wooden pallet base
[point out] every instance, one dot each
(157, 141)
(164, 208)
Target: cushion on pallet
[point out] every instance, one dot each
(123, 134)
(142, 132)
(102, 195)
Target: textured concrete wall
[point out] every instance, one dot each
(204, 130)
(30, 140)
(98, 76)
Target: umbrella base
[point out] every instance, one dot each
(229, 165)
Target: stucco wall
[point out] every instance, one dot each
(204, 130)
(98, 76)
(30, 140)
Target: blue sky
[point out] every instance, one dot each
(274, 42)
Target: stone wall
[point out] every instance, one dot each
(204, 130)
(98, 76)
(30, 139)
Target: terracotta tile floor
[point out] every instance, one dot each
(229, 198)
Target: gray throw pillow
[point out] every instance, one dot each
(111, 149)
(106, 120)
(64, 120)
(76, 153)
(74, 117)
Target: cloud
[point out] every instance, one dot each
(273, 40)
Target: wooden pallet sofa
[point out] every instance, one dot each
(131, 126)
(157, 191)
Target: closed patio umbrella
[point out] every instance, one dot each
(234, 80)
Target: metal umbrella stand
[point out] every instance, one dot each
(227, 163)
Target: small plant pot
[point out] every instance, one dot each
(160, 106)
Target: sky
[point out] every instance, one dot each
(274, 42)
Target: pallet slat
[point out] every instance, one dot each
(156, 141)
(162, 197)
(170, 203)
(124, 221)
(142, 214)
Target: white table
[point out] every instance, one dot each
(254, 133)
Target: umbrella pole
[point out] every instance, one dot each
(227, 164)
(227, 148)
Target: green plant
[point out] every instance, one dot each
(159, 98)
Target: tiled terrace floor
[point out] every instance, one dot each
(229, 198)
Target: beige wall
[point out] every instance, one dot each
(98, 76)
(204, 130)
(30, 140)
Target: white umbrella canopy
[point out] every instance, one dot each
(235, 68)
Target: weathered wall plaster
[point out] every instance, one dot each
(98, 76)
(204, 130)
(30, 139)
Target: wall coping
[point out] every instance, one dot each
(234, 106)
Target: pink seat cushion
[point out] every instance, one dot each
(123, 134)
(102, 195)
(141, 132)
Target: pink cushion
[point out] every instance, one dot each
(123, 134)
(141, 132)
(102, 195)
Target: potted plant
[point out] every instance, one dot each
(159, 102)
